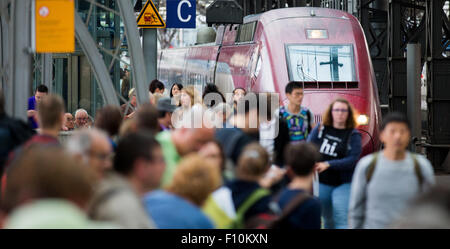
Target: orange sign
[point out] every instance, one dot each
(149, 17)
(55, 26)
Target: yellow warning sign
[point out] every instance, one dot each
(149, 17)
(55, 26)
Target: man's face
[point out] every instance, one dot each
(100, 156)
(194, 139)
(395, 136)
(39, 95)
(68, 121)
(296, 96)
(154, 169)
(81, 119)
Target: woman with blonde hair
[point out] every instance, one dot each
(189, 98)
(339, 144)
(177, 207)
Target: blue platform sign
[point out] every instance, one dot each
(181, 14)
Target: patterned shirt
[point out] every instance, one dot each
(299, 124)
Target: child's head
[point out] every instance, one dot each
(253, 162)
(301, 158)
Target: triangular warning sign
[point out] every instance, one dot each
(149, 17)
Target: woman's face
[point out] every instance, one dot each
(175, 90)
(339, 112)
(185, 99)
(212, 153)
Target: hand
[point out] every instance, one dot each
(322, 166)
(31, 113)
(130, 115)
(274, 175)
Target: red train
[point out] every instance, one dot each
(324, 49)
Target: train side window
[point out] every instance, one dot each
(246, 32)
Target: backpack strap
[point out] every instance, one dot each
(293, 204)
(418, 172)
(371, 168)
(245, 206)
(308, 130)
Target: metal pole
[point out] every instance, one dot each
(413, 61)
(21, 58)
(150, 52)
(135, 50)
(47, 70)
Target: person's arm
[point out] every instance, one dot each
(348, 162)
(312, 137)
(357, 206)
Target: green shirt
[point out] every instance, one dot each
(171, 156)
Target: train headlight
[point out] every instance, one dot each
(362, 120)
(317, 34)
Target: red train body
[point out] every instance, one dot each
(324, 49)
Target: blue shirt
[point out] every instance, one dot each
(306, 215)
(32, 106)
(173, 212)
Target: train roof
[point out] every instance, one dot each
(305, 12)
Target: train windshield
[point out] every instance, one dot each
(320, 62)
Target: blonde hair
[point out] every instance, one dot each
(196, 97)
(195, 179)
(253, 162)
(128, 126)
(328, 117)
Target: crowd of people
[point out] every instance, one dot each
(190, 159)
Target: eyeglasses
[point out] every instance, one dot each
(340, 110)
(82, 118)
(101, 156)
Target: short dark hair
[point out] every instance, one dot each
(239, 88)
(395, 117)
(42, 89)
(109, 118)
(211, 88)
(293, 85)
(301, 158)
(147, 118)
(2, 102)
(155, 84)
(131, 148)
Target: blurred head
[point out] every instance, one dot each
(340, 111)
(195, 179)
(128, 126)
(213, 152)
(81, 118)
(253, 163)
(147, 118)
(189, 96)
(156, 86)
(301, 158)
(51, 112)
(41, 92)
(238, 94)
(395, 132)
(247, 116)
(294, 93)
(109, 119)
(212, 96)
(92, 147)
(47, 173)
(222, 112)
(139, 158)
(175, 89)
(69, 120)
(132, 97)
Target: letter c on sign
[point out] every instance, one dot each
(179, 11)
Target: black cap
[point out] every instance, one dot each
(165, 104)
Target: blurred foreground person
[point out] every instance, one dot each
(178, 207)
(91, 147)
(13, 132)
(47, 189)
(182, 141)
(429, 211)
(147, 118)
(138, 167)
(385, 182)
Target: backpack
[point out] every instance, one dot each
(278, 218)
(257, 195)
(371, 169)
